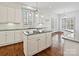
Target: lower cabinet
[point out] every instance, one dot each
(2, 37)
(48, 39)
(32, 45)
(41, 42)
(36, 43)
(17, 36)
(55, 41)
(9, 37)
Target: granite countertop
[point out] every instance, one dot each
(14, 29)
(35, 33)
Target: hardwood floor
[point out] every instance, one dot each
(51, 51)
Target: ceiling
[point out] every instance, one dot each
(54, 7)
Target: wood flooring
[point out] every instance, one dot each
(51, 51)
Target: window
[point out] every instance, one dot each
(68, 23)
(28, 17)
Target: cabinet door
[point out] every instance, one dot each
(18, 36)
(3, 14)
(42, 42)
(55, 41)
(32, 45)
(48, 39)
(18, 15)
(2, 37)
(11, 14)
(10, 36)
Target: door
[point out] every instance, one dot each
(10, 37)
(48, 39)
(18, 36)
(2, 37)
(41, 42)
(11, 14)
(18, 16)
(3, 14)
(32, 45)
(55, 41)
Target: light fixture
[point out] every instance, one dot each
(37, 14)
(10, 23)
(28, 7)
(42, 16)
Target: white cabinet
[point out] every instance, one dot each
(48, 39)
(3, 14)
(10, 36)
(32, 45)
(2, 37)
(41, 42)
(18, 36)
(11, 14)
(55, 41)
(36, 43)
(18, 15)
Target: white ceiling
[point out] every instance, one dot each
(54, 7)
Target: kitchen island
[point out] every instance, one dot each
(36, 42)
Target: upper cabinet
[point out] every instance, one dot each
(10, 14)
(3, 14)
(18, 15)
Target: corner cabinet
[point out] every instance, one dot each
(36, 43)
